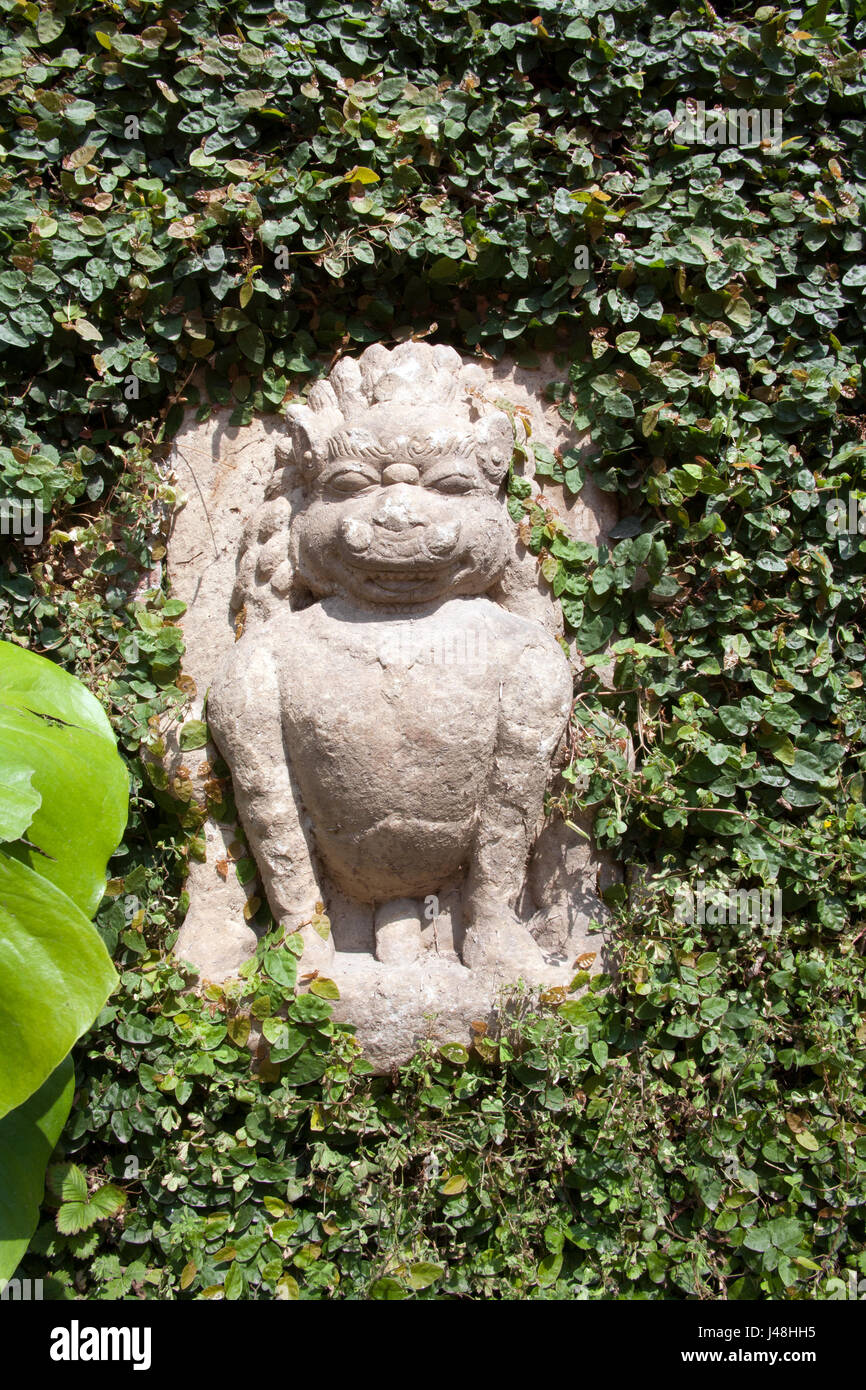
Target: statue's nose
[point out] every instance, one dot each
(396, 510)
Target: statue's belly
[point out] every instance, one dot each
(391, 759)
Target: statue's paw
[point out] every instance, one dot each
(506, 950)
(398, 931)
(550, 930)
(566, 941)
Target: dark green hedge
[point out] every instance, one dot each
(206, 204)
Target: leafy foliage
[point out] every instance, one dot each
(204, 207)
(584, 1152)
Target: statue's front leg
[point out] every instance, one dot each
(244, 712)
(535, 700)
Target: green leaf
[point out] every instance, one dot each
(387, 1289)
(758, 1238)
(593, 632)
(734, 720)
(80, 1211)
(52, 729)
(193, 735)
(706, 963)
(306, 1067)
(307, 1009)
(282, 967)
(361, 174)
(548, 1269)
(284, 1039)
(46, 226)
(68, 975)
(251, 341)
(781, 748)
(423, 1274)
(49, 26)
(235, 1283)
(785, 1233)
(238, 1029)
(74, 1185)
(19, 801)
(739, 313)
(230, 320)
(324, 988)
(28, 1135)
(454, 1185)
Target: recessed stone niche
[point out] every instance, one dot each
(396, 704)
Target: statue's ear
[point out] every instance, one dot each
(494, 445)
(287, 472)
(308, 432)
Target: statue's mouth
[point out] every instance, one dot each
(400, 584)
(401, 560)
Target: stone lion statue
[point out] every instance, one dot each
(392, 708)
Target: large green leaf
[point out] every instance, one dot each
(54, 733)
(28, 1135)
(19, 802)
(55, 976)
(31, 682)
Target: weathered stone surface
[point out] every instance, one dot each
(391, 712)
(223, 472)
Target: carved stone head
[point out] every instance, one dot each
(392, 478)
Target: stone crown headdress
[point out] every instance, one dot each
(413, 377)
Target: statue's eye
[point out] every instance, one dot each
(451, 482)
(350, 481)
